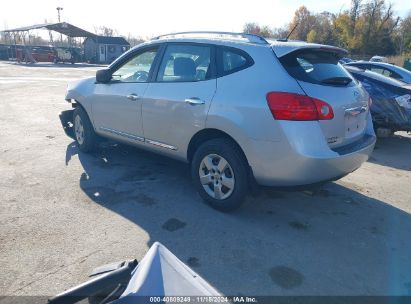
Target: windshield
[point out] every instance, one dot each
(316, 66)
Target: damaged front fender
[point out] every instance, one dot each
(73, 95)
(78, 91)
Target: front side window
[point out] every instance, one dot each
(136, 69)
(182, 63)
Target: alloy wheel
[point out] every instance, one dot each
(216, 176)
(79, 129)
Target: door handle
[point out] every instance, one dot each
(132, 97)
(194, 101)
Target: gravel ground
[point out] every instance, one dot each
(64, 212)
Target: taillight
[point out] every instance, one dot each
(289, 106)
(369, 102)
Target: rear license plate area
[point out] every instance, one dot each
(354, 124)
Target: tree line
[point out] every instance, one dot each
(367, 28)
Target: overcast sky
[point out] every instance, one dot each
(154, 17)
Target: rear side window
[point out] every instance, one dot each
(317, 67)
(185, 63)
(231, 60)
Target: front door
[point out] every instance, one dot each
(176, 104)
(102, 52)
(116, 105)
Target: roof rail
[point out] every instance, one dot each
(251, 37)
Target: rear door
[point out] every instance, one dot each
(176, 104)
(320, 75)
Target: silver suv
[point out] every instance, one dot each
(237, 107)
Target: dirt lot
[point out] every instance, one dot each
(64, 212)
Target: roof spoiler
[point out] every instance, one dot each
(282, 48)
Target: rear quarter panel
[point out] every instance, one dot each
(239, 106)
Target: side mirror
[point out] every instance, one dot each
(103, 76)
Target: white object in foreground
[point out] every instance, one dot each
(161, 274)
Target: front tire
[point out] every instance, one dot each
(86, 138)
(220, 174)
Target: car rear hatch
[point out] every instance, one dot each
(319, 74)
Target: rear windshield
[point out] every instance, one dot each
(316, 66)
(384, 79)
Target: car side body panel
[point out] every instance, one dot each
(241, 96)
(280, 153)
(113, 113)
(169, 120)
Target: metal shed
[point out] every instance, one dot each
(97, 49)
(102, 49)
(26, 49)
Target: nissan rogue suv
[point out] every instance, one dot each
(237, 107)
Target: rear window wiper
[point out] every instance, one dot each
(337, 80)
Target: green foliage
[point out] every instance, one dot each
(405, 34)
(312, 36)
(368, 28)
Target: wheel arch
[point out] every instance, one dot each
(208, 134)
(76, 103)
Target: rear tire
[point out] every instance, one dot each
(220, 174)
(384, 132)
(84, 133)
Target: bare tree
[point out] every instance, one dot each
(105, 31)
(355, 11)
(134, 40)
(50, 33)
(252, 28)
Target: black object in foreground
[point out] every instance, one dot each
(66, 119)
(337, 80)
(108, 284)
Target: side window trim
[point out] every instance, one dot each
(220, 64)
(213, 63)
(157, 61)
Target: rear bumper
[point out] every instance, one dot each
(306, 159)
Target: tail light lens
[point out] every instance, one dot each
(290, 106)
(369, 102)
